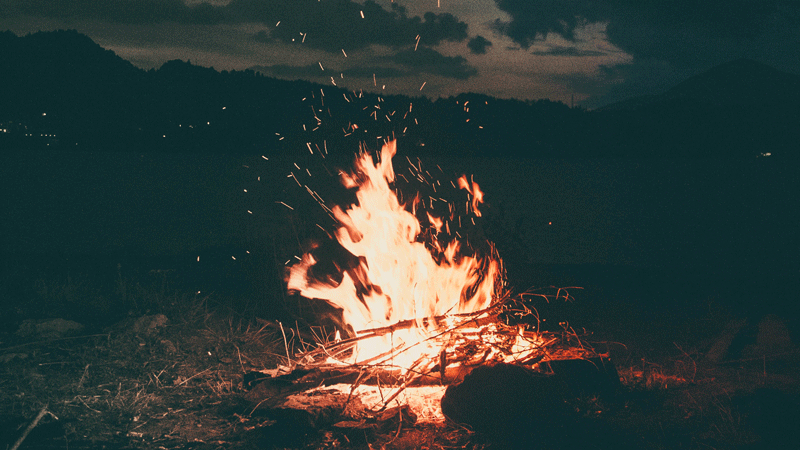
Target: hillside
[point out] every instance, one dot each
(66, 91)
(740, 82)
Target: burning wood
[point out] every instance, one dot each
(420, 310)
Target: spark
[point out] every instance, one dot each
(423, 85)
(345, 54)
(362, 14)
(265, 158)
(417, 44)
(284, 204)
(320, 66)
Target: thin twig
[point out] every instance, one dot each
(83, 377)
(286, 345)
(32, 425)
(197, 374)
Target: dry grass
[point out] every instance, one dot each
(181, 385)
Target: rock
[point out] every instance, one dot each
(588, 377)
(507, 401)
(742, 341)
(522, 408)
(720, 348)
(772, 338)
(149, 324)
(48, 329)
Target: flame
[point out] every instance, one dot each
(383, 271)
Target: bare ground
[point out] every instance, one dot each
(147, 383)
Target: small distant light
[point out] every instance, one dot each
(549, 223)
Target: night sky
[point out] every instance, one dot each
(593, 52)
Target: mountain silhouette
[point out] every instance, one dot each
(741, 82)
(740, 108)
(64, 90)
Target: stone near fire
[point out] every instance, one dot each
(508, 401)
(49, 329)
(149, 324)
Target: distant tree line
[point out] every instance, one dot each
(63, 84)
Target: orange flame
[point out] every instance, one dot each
(385, 274)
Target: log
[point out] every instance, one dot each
(505, 398)
(518, 405)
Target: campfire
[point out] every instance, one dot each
(422, 304)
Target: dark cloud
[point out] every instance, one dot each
(535, 19)
(329, 25)
(567, 51)
(478, 45)
(338, 24)
(120, 11)
(665, 29)
(425, 60)
(402, 64)
(667, 39)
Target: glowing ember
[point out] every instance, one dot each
(386, 272)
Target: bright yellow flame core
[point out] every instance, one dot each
(411, 283)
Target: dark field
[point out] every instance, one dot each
(668, 255)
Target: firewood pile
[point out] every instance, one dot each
(505, 333)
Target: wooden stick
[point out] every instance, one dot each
(33, 424)
(403, 324)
